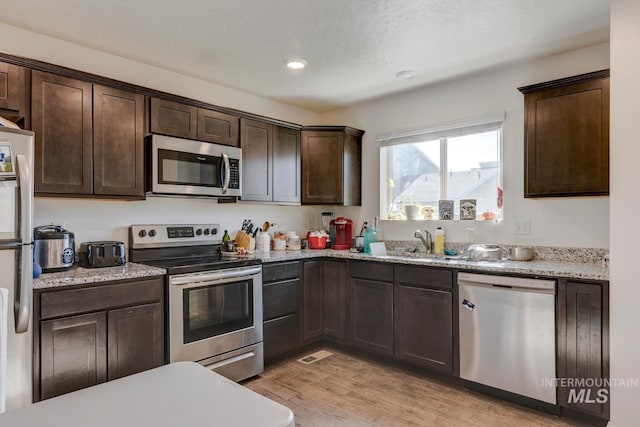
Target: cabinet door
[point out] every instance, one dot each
(335, 299)
(312, 296)
(13, 93)
(73, 353)
(583, 345)
(118, 142)
(174, 119)
(281, 335)
(61, 110)
(286, 165)
(567, 140)
(424, 327)
(352, 170)
(217, 127)
(372, 316)
(135, 339)
(256, 139)
(322, 167)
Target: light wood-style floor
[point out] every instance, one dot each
(345, 390)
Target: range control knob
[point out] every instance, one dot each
(214, 231)
(142, 233)
(206, 231)
(152, 233)
(198, 231)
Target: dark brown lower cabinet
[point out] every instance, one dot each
(423, 324)
(281, 335)
(335, 300)
(583, 346)
(123, 334)
(281, 307)
(313, 300)
(134, 339)
(423, 317)
(73, 353)
(372, 315)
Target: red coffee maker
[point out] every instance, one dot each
(342, 228)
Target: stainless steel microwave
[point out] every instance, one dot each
(193, 168)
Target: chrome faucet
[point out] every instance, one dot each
(427, 242)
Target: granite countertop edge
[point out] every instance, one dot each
(81, 276)
(572, 270)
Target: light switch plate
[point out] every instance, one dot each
(522, 227)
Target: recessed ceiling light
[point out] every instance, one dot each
(405, 74)
(295, 64)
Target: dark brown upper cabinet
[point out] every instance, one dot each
(270, 162)
(173, 118)
(118, 142)
(89, 138)
(331, 165)
(188, 121)
(14, 90)
(217, 127)
(567, 136)
(61, 109)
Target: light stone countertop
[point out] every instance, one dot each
(574, 270)
(78, 275)
(592, 271)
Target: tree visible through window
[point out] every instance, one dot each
(462, 165)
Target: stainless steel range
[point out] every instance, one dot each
(214, 304)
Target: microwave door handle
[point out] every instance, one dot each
(226, 172)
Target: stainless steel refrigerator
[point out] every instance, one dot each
(16, 267)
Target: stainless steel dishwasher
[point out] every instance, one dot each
(507, 333)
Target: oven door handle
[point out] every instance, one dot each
(214, 276)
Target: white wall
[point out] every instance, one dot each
(559, 221)
(103, 219)
(625, 152)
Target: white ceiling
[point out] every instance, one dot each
(354, 47)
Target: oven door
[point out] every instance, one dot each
(214, 312)
(181, 166)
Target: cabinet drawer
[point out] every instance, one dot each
(424, 277)
(281, 335)
(280, 298)
(101, 297)
(371, 270)
(280, 271)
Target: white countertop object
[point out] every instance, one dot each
(179, 394)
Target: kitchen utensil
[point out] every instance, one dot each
(317, 240)
(102, 254)
(54, 248)
(342, 229)
(486, 252)
(521, 253)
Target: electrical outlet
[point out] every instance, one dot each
(522, 227)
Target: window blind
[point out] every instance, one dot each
(484, 123)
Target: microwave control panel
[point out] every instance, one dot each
(234, 173)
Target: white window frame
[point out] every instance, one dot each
(440, 131)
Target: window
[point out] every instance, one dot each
(459, 161)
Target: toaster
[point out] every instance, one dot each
(102, 254)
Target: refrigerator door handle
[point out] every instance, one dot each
(22, 305)
(25, 187)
